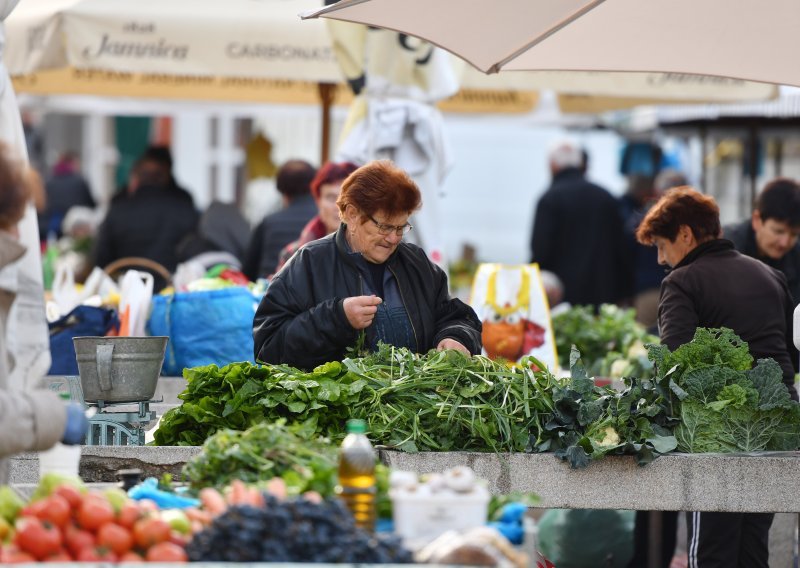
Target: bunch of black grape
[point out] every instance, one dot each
(293, 531)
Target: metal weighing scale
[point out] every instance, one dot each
(114, 423)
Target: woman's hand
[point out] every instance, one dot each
(448, 343)
(360, 310)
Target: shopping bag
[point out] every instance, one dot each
(65, 294)
(511, 303)
(80, 322)
(205, 327)
(136, 294)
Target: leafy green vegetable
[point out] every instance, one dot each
(589, 422)
(440, 401)
(264, 451)
(611, 342)
(724, 405)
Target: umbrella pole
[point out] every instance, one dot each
(327, 92)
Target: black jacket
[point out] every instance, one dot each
(716, 286)
(275, 232)
(150, 223)
(301, 320)
(744, 239)
(578, 234)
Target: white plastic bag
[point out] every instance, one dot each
(65, 295)
(99, 284)
(136, 294)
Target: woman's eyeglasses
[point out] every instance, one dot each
(386, 229)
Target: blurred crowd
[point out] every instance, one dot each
(583, 237)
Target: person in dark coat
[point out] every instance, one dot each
(149, 221)
(771, 236)
(159, 156)
(713, 285)
(65, 188)
(282, 227)
(578, 234)
(771, 233)
(363, 278)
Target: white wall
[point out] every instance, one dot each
(500, 171)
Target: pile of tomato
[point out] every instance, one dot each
(72, 524)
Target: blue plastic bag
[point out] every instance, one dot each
(148, 489)
(83, 321)
(213, 326)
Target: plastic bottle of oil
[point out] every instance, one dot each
(357, 474)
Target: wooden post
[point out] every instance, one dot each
(327, 92)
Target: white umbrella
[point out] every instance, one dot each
(743, 39)
(264, 39)
(234, 38)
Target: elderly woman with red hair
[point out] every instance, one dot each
(712, 285)
(364, 278)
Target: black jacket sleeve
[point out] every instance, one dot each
(455, 319)
(252, 256)
(103, 253)
(677, 317)
(289, 328)
(545, 229)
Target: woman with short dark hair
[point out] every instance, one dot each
(712, 285)
(364, 278)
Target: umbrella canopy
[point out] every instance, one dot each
(234, 38)
(743, 39)
(265, 40)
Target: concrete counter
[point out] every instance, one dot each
(676, 482)
(708, 482)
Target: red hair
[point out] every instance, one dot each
(331, 173)
(682, 205)
(380, 186)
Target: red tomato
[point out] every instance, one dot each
(13, 555)
(77, 540)
(150, 531)
(34, 509)
(131, 556)
(166, 552)
(71, 493)
(129, 514)
(57, 510)
(96, 554)
(38, 538)
(94, 513)
(115, 537)
(62, 556)
(179, 538)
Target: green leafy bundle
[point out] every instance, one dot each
(241, 395)
(611, 342)
(445, 401)
(723, 403)
(440, 401)
(304, 461)
(589, 422)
